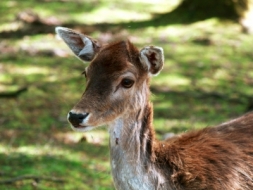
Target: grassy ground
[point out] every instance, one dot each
(207, 79)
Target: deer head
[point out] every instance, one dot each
(117, 79)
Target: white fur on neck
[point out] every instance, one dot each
(127, 159)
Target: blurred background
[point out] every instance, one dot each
(207, 79)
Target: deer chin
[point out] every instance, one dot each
(82, 128)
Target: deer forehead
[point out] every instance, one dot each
(114, 60)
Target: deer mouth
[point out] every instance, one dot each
(81, 128)
(78, 126)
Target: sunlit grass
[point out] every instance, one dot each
(83, 11)
(207, 79)
(72, 162)
(171, 80)
(125, 11)
(119, 15)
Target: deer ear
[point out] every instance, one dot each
(152, 59)
(84, 47)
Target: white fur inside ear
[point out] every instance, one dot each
(82, 46)
(88, 47)
(144, 60)
(152, 59)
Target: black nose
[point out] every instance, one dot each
(75, 119)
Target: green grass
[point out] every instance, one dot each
(58, 160)
(207, 79)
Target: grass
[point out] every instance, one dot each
(207, 79)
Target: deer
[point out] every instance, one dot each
(117, 95)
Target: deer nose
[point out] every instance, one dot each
(76, 118)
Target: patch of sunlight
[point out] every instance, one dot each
(27, 70)
(97, 137)
(221, 74)
(250, 73)
(8, 88)
(11, 26)
(180, 32)
(38, 42)
(172, 31)
(134, 11)
(164, 34)
(159, 6)
(171, 80)
(37, 150)
(53, 78)
(206, 83)
(6, 78)
(206, 24)
(177, 32)
(105, 14)
(94, 137)
(179, 125)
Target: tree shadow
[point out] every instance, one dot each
(198, 103)
(186, 13)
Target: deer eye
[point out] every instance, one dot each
(127, 83)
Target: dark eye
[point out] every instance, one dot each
(127, 83)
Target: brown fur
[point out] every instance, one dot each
(214, 158)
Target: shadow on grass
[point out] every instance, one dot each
(186, 13)
(186, 110)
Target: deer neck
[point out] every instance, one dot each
(134, 134)
(131, 148)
